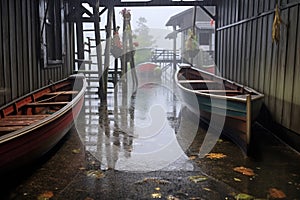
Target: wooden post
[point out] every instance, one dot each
(174, 51)
(98, 47)
(128, 51)
(248, 119)
(115, 77)
(80, 43)
(216, 39)
(107, 51)
(89, 52)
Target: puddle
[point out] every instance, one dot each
(137, 131)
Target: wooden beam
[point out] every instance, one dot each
(107, 50)
(119, 3)
(208, 12)
(80, 43)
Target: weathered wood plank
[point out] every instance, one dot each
(26, 75)
(61, 93)
(196, 81)
(281, 69)
(290, 68)
(227, 54)
(24, 117)
(273, 78)
(295, 115)
(19, 49)
(31, 74)
(219, 91)
(45, 104)
(13, 49)
(235, 53)
(263, 57)
(269, 59)
(6, 58)
(239, 54)
(7, 129)
(34, 20)
(257, 58)
(2, 84)
(232, 41)
(253, 53)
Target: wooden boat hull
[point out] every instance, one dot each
(230, 110)
(23, 146)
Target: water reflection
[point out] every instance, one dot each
(136, 131)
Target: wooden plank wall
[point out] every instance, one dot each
(247, 55)
(20, 67)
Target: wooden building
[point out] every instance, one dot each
(247, 55)
(35, 45)
(183, 22)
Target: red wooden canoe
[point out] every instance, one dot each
(31, 125)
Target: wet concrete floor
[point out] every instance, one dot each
(145, 145)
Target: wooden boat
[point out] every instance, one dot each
(31, 125)
(236, 104)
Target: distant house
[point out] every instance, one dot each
(205, 30)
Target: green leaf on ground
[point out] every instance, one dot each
(197, 179)
(243, 196)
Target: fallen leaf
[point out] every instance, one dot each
(197, 179)
(157, 188)
(243, 196)
(244, 171)
(192, 157)
(95, 174)
(153, 180)
(276, 194)
(171, 197)
(156, 195)
(207, 189)
(237, 179)
(76, 151)
(215, 155)
(45, 196)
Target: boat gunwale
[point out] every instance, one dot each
(12, 135)
(254, 97)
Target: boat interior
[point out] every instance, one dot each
(208, 83)
(35, 106)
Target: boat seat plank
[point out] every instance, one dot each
(196, 81)
(61, 93)
(9, 129)
(44, 104)
(219, 91)
(17, 123)
(22, 117)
